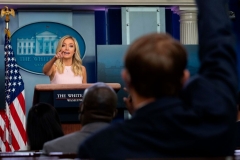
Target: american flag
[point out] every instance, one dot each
(13, 118)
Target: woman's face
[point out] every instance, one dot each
(68, 48)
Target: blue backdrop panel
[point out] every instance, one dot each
(28, 17)
(193, 61)
(90, 64)
(175, 26)
(110, 65)
(100, 27)
(114, 28)
(168, 23)
(172, 24)
(84, 23)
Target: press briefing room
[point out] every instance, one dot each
(41, 41)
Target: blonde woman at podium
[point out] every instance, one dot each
(66, 66)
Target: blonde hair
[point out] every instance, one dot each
(76, 60)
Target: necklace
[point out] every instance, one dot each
(67, 68)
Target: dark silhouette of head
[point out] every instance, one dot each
(99, 104)
(43, 124)
(155, 65)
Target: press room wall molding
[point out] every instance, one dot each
(97, 2)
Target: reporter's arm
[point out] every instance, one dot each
(217, 45)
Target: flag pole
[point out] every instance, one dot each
(7, 12)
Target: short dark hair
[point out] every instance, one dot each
(43, 124)
(156, 63)
(99, 104)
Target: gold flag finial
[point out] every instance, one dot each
(7, 12)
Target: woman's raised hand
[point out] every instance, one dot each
(59, 54)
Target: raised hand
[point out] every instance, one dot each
(59, 54)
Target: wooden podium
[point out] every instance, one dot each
(66, 99)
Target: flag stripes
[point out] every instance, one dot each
(13, 118)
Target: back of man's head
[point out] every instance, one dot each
(99, 104)
(155, 64)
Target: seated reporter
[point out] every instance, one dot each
(97, 110)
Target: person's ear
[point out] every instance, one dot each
(126, 77)
(186, 76)
(115, 113)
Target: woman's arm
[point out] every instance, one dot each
(48, 67)
(84, 74)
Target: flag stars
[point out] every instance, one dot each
(13, 79)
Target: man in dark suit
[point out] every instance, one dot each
(97, 110)
(174, 116)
